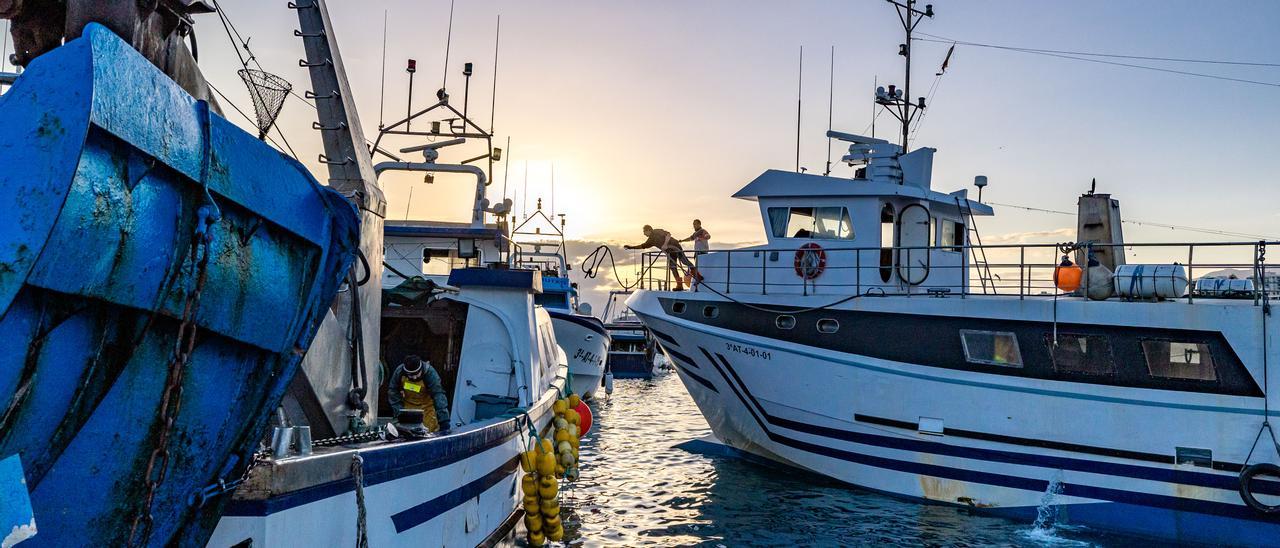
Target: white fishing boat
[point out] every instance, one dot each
(632, 351)
(874, 340)
(582, 336)
(341, 470)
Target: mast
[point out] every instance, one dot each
(900, 103)
(344, 354)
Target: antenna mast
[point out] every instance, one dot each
(799, 98)
(899, 101)
(831, 98)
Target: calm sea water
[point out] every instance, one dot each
(638, 489)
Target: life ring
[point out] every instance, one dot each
(810, 261)
(1246, 494)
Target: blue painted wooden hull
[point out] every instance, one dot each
(104, 163)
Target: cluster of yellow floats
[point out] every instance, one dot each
(548, 460)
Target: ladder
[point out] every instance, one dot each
(979, 254)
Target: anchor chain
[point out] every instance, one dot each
(171, 400)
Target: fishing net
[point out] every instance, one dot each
(268, 92)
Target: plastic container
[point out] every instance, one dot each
(1151, 281)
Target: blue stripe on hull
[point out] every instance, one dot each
(1184, 519)
(429, 510)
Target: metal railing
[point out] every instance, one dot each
(1022, 270)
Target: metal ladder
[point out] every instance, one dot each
(978, 252)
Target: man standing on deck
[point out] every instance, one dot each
(416, 385)
(661, 239)
(701, 238)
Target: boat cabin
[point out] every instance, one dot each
(432, 249)
(886, 229)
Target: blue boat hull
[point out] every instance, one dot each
(105, 164)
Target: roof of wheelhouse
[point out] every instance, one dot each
(886, 172)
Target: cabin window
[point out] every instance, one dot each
(823, 223)
(991, 348)
(951, 235)
(1179, 360)
(1081, 354)
(828, 325)
(710, 311)
(785, 322)
(677, 307)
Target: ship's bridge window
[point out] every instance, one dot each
(1179, 360)
(819, 223)
(951, 235)
(1081, 354)
(991, 348)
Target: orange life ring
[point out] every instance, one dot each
(810, 261)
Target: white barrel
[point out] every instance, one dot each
(1151, 281)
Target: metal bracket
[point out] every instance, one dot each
(331, 95)
(304, 64)
(316, 126)
(301, 34)
(296, 6)
(325, 160)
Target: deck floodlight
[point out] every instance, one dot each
(920, 104)
(435, 126)
(928, 10)
(413, 66)
(881, 93)
(466, 69)
(496, 155)
(902, 49)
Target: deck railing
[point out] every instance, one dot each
(1022, 270)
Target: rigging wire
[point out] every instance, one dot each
(1083, 57)
(1094, 54)
(252, 120)
(1147, 223)
(237, 42)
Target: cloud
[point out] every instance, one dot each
(1039, 236)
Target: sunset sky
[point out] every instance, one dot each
(655, 112)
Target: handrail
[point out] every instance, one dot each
(1035, 264)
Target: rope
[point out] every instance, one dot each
(596, 259)
(362, 528)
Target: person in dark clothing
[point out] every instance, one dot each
(661, 239)
(416, 385)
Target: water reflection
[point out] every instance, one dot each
(637, 489)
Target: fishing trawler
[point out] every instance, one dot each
(343, 469)
(583, 336)
(874, 339)
(139, 245)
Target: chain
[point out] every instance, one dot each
(348, 439)
(171, 400)
(362, 530)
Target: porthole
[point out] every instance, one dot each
(785, 322)
(828, 325)
(710, 311)
(677, 307)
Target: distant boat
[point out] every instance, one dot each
(583, 336)
(632, 353)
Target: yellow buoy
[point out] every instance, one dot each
(546, 463)
(536, 539)
(550, 508)
(529, 485)
(548, 487)
(545, 446)
(534, 522)
(573, 417)
(560, 406)
(574, 400)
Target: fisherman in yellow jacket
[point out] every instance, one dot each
(416, 385)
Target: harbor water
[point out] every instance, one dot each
(639, 489)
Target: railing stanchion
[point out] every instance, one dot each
(857, 270)
(1022, 265)
(728, 273)
(764, 273)
(1191, 288)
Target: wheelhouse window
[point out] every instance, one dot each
(819, 223)
(991, 348)
(1081, 354)
(1179, 360)
(950, 235)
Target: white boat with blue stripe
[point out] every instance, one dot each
(874, 340)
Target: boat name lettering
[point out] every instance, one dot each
(749, 351)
